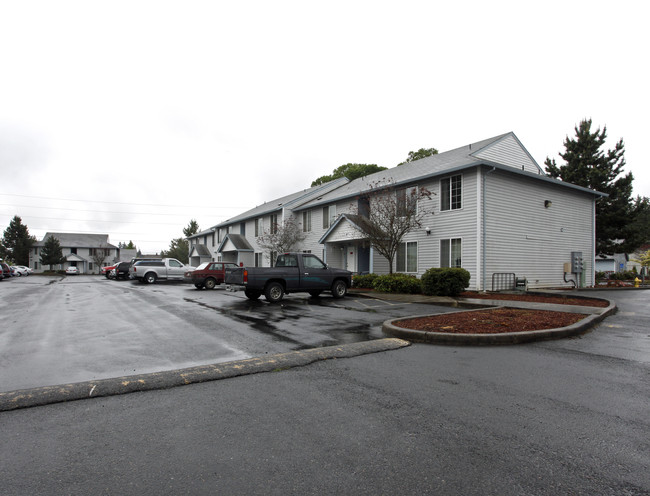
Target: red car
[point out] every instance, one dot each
(209, 274)
(106, 271)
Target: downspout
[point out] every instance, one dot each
(483, 235)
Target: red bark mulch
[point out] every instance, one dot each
(491, 321)
(559, 299)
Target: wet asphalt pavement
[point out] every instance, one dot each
(555, 417)
(71, 329)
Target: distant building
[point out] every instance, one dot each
(87, 252)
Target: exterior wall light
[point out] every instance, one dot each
(428, 231)
(547, 203)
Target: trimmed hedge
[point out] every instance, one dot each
(445, 281)
(366, 281)
(398, 283)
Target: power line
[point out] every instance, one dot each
(88, 210)
(121, 203)
(111, 221)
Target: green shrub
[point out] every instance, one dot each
(445, 281)
(622, 276)
(398, 283)
(366, 281)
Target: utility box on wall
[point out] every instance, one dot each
(577, 262)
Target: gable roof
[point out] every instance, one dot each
(201, 251)
(503, 152)
(239, 242)
(354, 220)
(78, 240)
(290, 201)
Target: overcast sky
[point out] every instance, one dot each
(131, 118)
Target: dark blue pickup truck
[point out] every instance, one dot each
(293, 273)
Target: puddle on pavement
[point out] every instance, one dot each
(268, 315)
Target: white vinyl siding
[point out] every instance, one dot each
(525, 238)
(509, 152)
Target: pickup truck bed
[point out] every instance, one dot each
(293, 273)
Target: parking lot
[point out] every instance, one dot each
(62, 329)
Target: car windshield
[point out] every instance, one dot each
(203, 266)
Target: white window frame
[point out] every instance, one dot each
(329, 219)
(306, 221)
(449, 206)
(405, 267)
(450, 262)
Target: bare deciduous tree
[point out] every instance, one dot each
(386, 213)
(280, 238)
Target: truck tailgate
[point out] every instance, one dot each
(234, 275)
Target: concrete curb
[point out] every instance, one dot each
(26, 398)
(494, 339)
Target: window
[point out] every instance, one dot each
(259, 227)
(242, 231)
(259, 259)
(451, 193)
(312, 262)
(329, 216)
(407, 257)
(175, 263)
(73, 251)
(363, 206)
(405, 198)
(306, 221)
(451, 252)
(274, 224)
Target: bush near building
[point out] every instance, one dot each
(398, 283)
(445, 281)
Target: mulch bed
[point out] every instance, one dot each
(559, 299)
(493, 321)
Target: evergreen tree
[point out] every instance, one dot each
(179, 248)
(17, 242)
(421, 153)
(351, 171)
(191, 229)
(589, 166)
(51, 253)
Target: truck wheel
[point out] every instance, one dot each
(150, 278)
(314, 294)
(274, 292)
(209, 283)
(252, 295)
(339, 289)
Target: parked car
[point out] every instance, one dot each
(19, 271)
(209, 274)
(150, 271)
(72, 270)
(27, 270)
(6, 270)
(293, 273)
(106, 271)
(121, 270)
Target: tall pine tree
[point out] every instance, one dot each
(589, 166)
(51, 253)
(17, 242)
